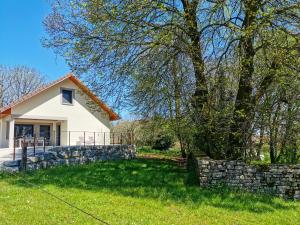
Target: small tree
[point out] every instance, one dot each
(163, 142)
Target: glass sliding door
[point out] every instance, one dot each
(45, 133)
(58, 134)
(22, 130)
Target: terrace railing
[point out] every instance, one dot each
(72, 138)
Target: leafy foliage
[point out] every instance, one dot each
(18, 81)
(163, 142)
(224, 75)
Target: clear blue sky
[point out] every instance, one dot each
(21, 31)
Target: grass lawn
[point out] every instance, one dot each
(141, 191)
(148, 151)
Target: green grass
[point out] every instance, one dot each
(171, 153)
(141, 191)
(267, 159)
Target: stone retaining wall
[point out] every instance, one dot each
(278, 180)
(73, 155)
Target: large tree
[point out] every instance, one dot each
(110, 38)
(18, 81)
(113, 38)
(138, 49)
(245, 31)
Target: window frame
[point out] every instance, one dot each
(7, 131)
(62, 98)
(30, 134)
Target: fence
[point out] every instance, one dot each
(71, 138)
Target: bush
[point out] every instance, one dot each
(147, 149)
(163, 142)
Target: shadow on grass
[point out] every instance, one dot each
(149, 179)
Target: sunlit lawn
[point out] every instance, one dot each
(148, 151)
(141, 191)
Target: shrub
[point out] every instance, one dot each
(163, 142)
(145, 149)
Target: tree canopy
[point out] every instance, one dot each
(214, 69)
(18, 81)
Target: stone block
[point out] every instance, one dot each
(12, 163)
(77, 153)
(203, 162)
(34, 159)
(11, 169)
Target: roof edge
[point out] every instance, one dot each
(5, 111)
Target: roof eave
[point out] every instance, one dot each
(112, 115)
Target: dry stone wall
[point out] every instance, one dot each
(278, 180)
(72, 155)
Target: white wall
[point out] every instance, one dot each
(79, 116)
(2, 133)
(3, 126)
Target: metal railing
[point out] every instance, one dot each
(71, 138)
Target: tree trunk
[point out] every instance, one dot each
(201, 92)
(287, 135)
(273, 134)
(178, 116)
(261, 138)
(200, 97)
(244, 104)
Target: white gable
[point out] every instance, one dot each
(81, 116)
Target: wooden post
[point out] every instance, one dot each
(84, 138)
(14, 153)
(94, 139)
(24, 155)
(104, 139)
(44, 144)
(69, 138)
(121, 138)
(113, 138)
(54, 138)
(34, 142)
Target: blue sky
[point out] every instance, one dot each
(21, 31)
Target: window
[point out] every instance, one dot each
(67, 97)
(22, 130)
(45, 131)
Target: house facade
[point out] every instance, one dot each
(62, 113)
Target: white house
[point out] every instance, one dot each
(65, 112)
